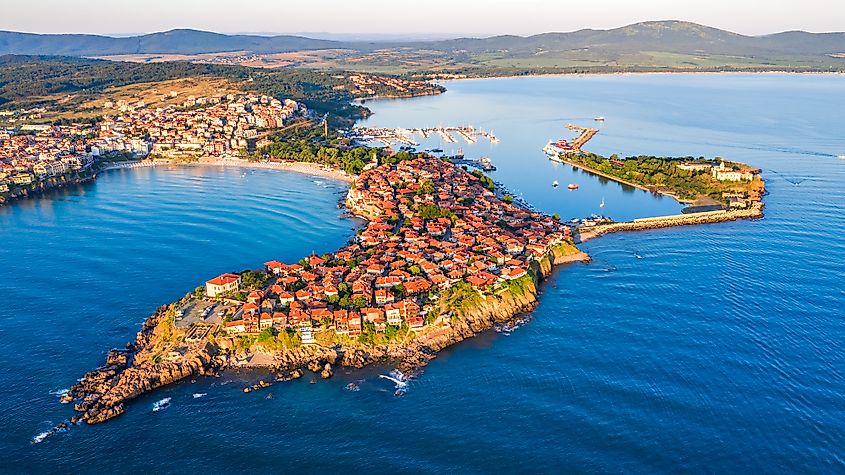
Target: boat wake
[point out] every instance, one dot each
(162, 404)
(199, 395)
(59, 392)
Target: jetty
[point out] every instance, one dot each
(588, 232)
(586, 134)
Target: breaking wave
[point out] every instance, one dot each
(162, 404)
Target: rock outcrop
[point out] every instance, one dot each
(100, 394)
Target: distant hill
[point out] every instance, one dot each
(655, 45)
(666, 36)
(169, 42)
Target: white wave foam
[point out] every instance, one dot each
(162, 404)
(40, 437)
(399, 383)
(199, 395)
(59, 392)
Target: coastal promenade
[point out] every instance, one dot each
(622, 181)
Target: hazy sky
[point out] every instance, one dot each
(477, 17)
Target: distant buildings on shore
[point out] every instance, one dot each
(216, 125)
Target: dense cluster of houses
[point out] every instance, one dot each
(369, 85)
(432, 225)
(204, 125)
(199, 126)
(42, 152)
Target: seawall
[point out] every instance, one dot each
(642, 224)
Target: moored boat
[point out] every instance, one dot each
(555, 149)
(572, 186)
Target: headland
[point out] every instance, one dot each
(441, 259)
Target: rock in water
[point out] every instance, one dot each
(327, 371)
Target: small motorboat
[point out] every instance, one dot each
(555, 184)
(572, 186)
(599, 119)
(842, 157)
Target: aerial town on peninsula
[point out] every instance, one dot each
(441, 258)
(446, 253)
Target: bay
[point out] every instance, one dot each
(700, 349)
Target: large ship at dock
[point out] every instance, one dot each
(555, 149)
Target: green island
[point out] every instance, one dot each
(697, 181)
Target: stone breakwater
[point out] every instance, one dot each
(710, 217)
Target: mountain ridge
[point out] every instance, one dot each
(665, 35)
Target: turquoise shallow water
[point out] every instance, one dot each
(719, 350)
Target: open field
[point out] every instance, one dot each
(241, 58)
(87, 105)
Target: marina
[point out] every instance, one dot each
(392, 136)
(482, 163)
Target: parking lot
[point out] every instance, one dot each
(202, 311)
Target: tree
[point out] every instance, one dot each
(199, 292)
(556, 217)
(427, 188)
(508, 199)
(254, 280)
(399, 291)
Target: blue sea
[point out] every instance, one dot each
(705, 349)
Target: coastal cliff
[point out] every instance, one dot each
(42, 186)
(128, 373)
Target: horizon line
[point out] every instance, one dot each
(441, 36)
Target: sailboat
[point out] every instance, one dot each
(601, 205)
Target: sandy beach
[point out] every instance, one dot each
(312, 169)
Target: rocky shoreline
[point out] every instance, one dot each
(52, 183)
